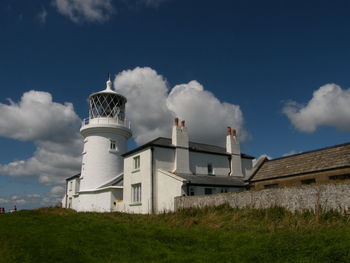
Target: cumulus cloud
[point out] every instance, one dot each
(80, 11)
(152, 105)
(329, 106)
(207, 116)
(92, 11)
(57, 191)
(4, 201)
(146, 92)
(15, 200)
(20, 201)
(42, 16)
(54, 129)
(32, 196)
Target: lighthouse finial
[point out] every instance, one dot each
(109, 82)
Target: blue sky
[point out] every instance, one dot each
(258, 55)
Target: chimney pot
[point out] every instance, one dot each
(176, 121)
(234, 132)
(228, 130)
(182, 123)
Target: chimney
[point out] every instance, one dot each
(180, 141)
(176, 121)
(233, 148)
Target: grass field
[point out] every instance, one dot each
(218, 234)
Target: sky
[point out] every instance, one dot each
(277, 71)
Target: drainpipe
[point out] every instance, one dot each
(152, 183)
(229, 165)
(66, 194)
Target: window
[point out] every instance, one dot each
(210, 169)
(136, 162)
(208, 191)
(339, 177)
(136, 193)
(112, 145)
(223, 190)
(268, 186)
(191, 191)
(70, 185)
(308, 181)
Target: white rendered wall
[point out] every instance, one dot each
(199, 163)
(168, 188)
(165, 187)
(100, 164)
(72, 193)
(135, 176)
(101, 201)
(163, 158)
(247, 165)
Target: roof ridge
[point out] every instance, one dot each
(207, 144)
(316, 150)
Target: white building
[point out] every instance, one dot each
(148, 178)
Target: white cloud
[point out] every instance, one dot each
(151, 108)
(42, 16)
(80, 11)
(17, 200)
(57, 191)
(4, 201)
(20, 202)
(146, 92)
(33, 196)
(54, 129)
(207, 116)
(329, 106)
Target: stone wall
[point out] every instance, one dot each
(326, 197)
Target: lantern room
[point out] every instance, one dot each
(107, 104)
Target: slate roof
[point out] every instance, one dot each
(74, 176)
(325, 159)
(193, 146)
(212, 180)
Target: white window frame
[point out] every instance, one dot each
(136, 193)
(136, 162)
(113, 145)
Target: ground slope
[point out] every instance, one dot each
(197, 235)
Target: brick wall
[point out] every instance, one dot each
(327, 196)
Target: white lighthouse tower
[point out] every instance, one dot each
(105, 133)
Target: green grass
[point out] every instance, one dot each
(219, 234)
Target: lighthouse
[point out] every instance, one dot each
(105, 134)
